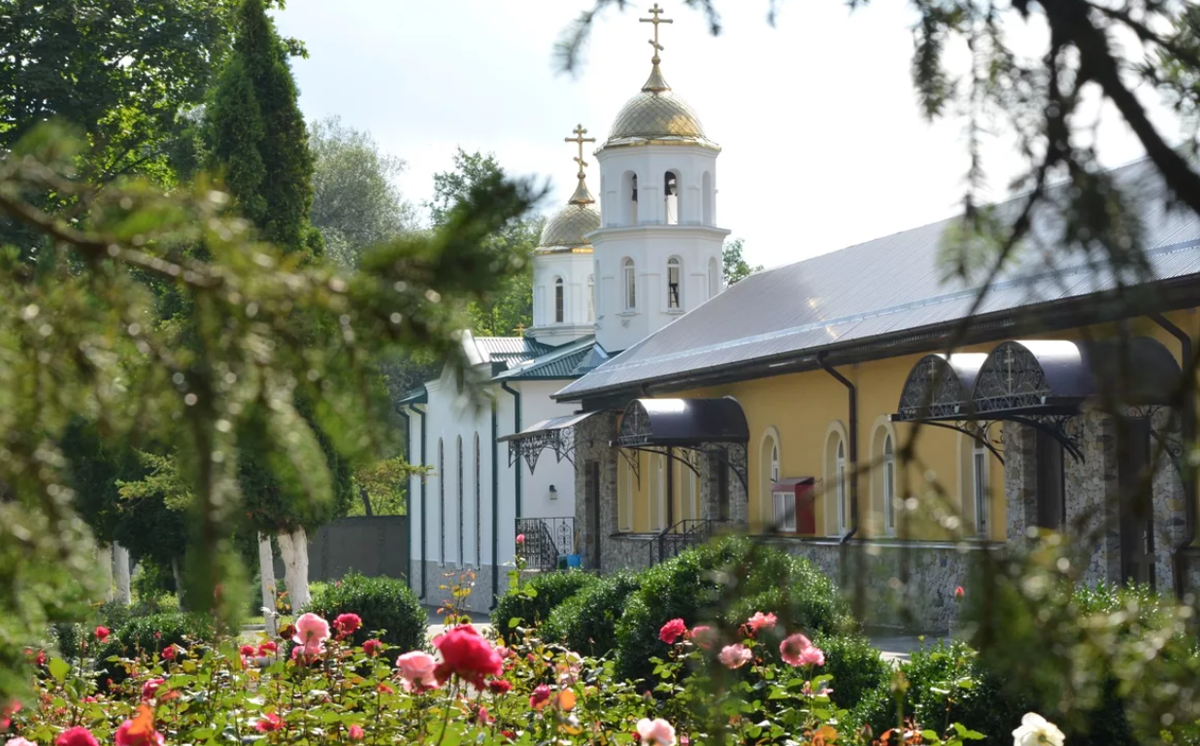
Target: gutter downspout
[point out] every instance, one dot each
(413, 407)
(1188, 431)
(516, 429)
(852, 396)
(408, 489)
(495, 509)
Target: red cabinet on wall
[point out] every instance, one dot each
(792, 499)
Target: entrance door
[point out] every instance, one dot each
(1136, 508)
(1051, 507)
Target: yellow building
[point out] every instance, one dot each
(815, 404)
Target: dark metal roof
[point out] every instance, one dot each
(510, 349)
(556, 363)
(545, 427)
(888, 288)
(682, 422)
(595, 358)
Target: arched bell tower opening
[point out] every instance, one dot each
(653, 252)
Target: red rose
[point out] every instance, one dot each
(499, 686)
(372, 647)
(467, 654)
(270, 722)
(346, 624)
(168, 654)
(7, 712)
(77, 736)
(102, 633)
(540, 696)
(672, 631)
(150, 688)
(41, 658)
(267, 648)
(247, 650)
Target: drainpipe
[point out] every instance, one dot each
(1179, 561)
(408, 489)
(516, 429)
(413, 407)
(852, 396)
(495, 510)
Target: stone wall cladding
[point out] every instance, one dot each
(592, 438)
(1167, 496)
(1020, 479)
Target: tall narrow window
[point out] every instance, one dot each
(673, 275)
(459, 515)
(441, 475)
(889, 486)
(559, 300)
(840, 475)
(979, 462)
(671, 190)
(591, 298)
(478, 509)
(784, 501)
(630, 285)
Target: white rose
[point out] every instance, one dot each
(1035, 730)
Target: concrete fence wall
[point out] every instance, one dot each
(373, 546)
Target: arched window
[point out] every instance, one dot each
(671, 192)
(979, 472)
(889, 486)
(629, 209)
(840, 474)
(674, 273)
(779, 508)
(441, 475)
(630, 286)
(459, 514)
(714, 278)
(707, 197)
(591, 298)
(559, 300)
(478, 509)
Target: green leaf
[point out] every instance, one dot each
(59, 669)
(966, 733)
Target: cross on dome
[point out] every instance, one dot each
(581, 196)
(656, 82)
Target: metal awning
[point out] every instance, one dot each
(1040, 383)
(556, 433)
(716, 427)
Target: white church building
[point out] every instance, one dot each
(604, 278)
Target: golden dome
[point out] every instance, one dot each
(656, 115)
(567, 227)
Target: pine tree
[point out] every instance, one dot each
(260, 141)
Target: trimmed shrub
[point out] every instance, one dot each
(69, 637)
(150, 634)
(586, 622)
(384, 604)
(855, 665)
(533, 602)
(723, 583)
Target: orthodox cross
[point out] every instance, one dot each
(655, 11)
(1008, 364)
(579, 139)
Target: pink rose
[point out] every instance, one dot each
(417, 669)
(520, 539)
(466, 653)
(703, 636)
(18, 741)
(656, 731)
(150, 688)
(672, 630)
(540, 696)
(959, 593)
(357, 733)
(311, 630)
(735, 656)
(77, 736)
(798, 650)
(813, 656)
(760, 622)
(372, 648)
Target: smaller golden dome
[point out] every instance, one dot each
(567, 227)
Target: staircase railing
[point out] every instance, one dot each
(683, 535)
(546, 539)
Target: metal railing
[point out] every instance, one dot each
(687, 533)
(546, 539)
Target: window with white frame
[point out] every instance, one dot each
(785, 500)
(979, 484)
(559, 300)
(630, 286)
(839, 472)
(674, 266)
(889, 486)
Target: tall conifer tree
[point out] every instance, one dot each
(259, 137)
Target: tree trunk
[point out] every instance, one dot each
(180, 591)
(121, 560)
(366, 501)
(266, 565)
(294, 548)
(104, 556)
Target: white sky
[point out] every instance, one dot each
(823, 144)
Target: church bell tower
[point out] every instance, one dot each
(658, 249)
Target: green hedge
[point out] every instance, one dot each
(586, 622)
(384, 604)
(150, 634)
(855, 665)
(537, 597)
(723, 583)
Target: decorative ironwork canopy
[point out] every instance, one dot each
(713, 426)
(556, 433)
(1040, 383)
